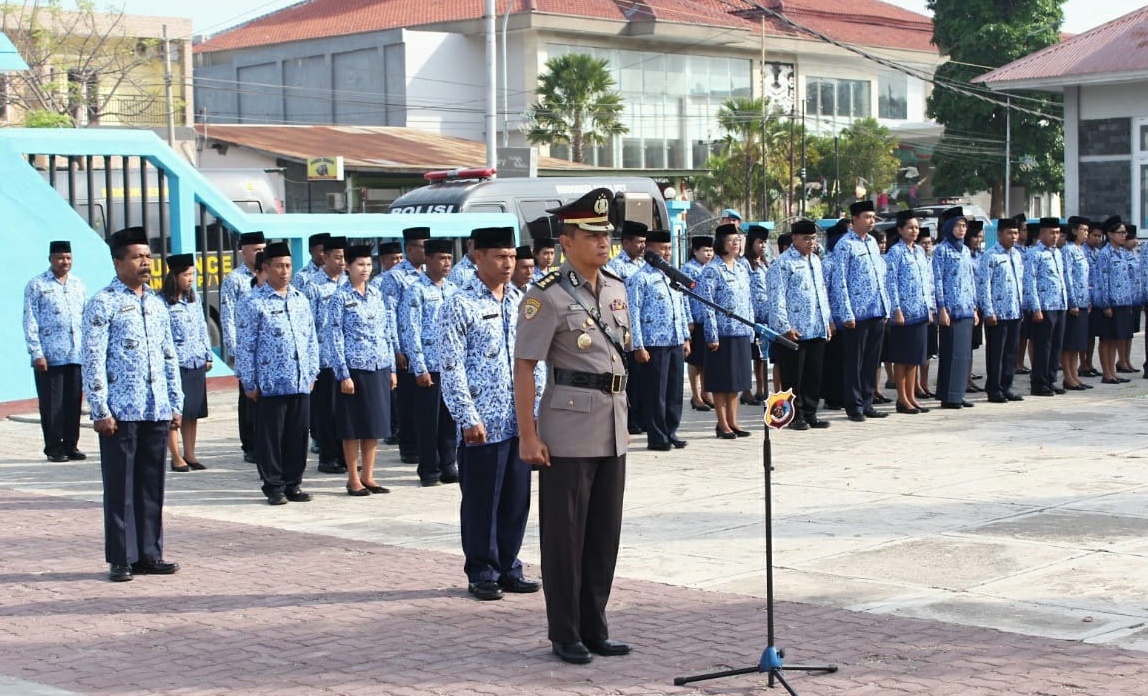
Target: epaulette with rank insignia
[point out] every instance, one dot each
(547, 280)
(610, 274)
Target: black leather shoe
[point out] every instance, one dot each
(430, 483)
(741, 433)
(857, 417)
(1013, 396)
(486, 591)
(608, 648)
(1044, 392)
(120, 573)
(874, 413)
(331, 468)
(906, 409)
(297, 496)
(973, 389)
(277, 499)
(798, 425)
(1126, 370)
(749, 400)
(391, 441)
(194, 466)
(881, 399)
(450, 475)
(574, 653)
(703, 407)
(951, 405)
(1022, 370)
(678, 444)
(519, 585)
(635, 430)
(357, 492)
(967, 404)
(77, 456)
(922, 409)
(160, 567)
(376, 489)
(1059, 390)
(723, 435)
(181, 469)
(1073, 387)
(817, 423)
(998, 399)
(658, 447)
(58, 457)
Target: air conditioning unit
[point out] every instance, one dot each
(336, 201)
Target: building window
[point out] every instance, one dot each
(84, 96)
(893, 95)
(826, 96)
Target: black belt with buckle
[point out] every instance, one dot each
(606, 381)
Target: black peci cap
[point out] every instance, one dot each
(333, 243)
(658, 237)
(954, 212)
(412, 234)
(784, 241)
(803, 227)
(178, 263)
(1077, 221)
(440, 246)
(317, 239)
(275, 251)
(756, 232)
(976, 226)
(726, 230)
(541, 243)
(1111, 224)
(357, 251)
(524, 252)
(862, 207)
(702, 241)
(493, 238)
(1007, 224)
(632, 229)
(390, 248)
(1049, 223)
(252, 238)
(127, 237)
(60, 247)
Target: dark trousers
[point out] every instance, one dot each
(860, 355)
(281, 441)
(580, 521)
(661, 384)
(59, 391)
(801, 372)
(1003, 340)
(1047, 337)
(495, 506)
(636, 416)
(322, 417)
(831, 374)
(132, 467)
(247, 409)
(405, 402)
(435, 433)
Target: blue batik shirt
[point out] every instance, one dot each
(727, 287)
(538, 273)
(189, 331)
(1132, 269)
(624, 266)
(418, 323)
(304, 275)
(1076, 272)
(321, 288)
(130, 369)
(1000, 283)
(393, 282)
(659, 317)
(53, 314)
(798, 299)
(237, 284)
(858, 292)
(359, 334)
(478, 333)
(758, 292)
(909, 280)
(1045, 290)
(462, 271)
(954, 281)
(278, 351)
(693, 268)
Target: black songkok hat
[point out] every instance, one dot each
(541, 243)
(412, 234)
(357, 251)
(1007, 224)
(632, 229)
(252, 238)
(127, 237)
(591, 212)
(925, 233)
(1112, 224)
(1131, 230)
(333, 243)
(1049, 223)
(976, 226)
(702, 241)
(658, 237)
(440, 246)
(524, 252)
(275, 251)
(904, 216)
(390, 248)
(1077, 221)
(317, 239)
(954, 212)
(756, 232)
(493, 238)
(803, 227)
(726, 230)
(60, 247)
(862, 207)
(178, 263)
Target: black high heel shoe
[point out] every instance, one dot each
(724, 435)
(749, 401)
(702, 407)
(741, 433)
(357, 493)
(905, 408)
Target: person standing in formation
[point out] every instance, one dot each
(909, 279)
(701, 253)
(576, 319)
(757, 241)
(464, 270)
(1046, 298)
(319, 288)
(725, 282)
(53, 309)
(955, 287)
(833, 377)
(235, 286)
(523, 268)
(131, 376)
(1131, 268)
(315, 265)
(1076, 276)
(628, 262)
(543, 256)
(1113, 297)
(193, 347)
(1000, 297)
(479, 326)
(390, 255)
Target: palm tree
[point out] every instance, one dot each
(576, 104)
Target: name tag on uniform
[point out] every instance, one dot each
(350, 304)
(576, 308)
(275, 311)
(128, 308)
(491, 316)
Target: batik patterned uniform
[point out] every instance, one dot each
(624, 266)
(305, 275)
(237, 284)
(859, 290)
(462, 272)
(418, 320)
(279, 355)
(1076, 276)
(360, 332)
(52, 318)
(759, 292)
(658, 314)
(1000, 283)
(954, 281)
(1047, 293)
(189, 331)
(727, 287)
(797, 296)
(909, 281)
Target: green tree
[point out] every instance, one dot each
(971, 154)
(577, 104)
(867, 156)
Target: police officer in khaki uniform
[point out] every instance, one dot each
(577, 320)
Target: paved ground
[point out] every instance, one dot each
(1001, 549)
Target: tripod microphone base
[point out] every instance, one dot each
(771, 664)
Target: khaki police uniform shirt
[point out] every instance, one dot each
(575, 421)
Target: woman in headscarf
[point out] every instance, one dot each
(193, 347)
(911, 299)
(728, 369)
(955, 288)
(974, 240)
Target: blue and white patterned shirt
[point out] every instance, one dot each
(237, 284)
(1076, 272)
(624, 266)
(392, 283)
(319, 289)
(798, 299)
(359, 334)
(1000, 283)
(418, 323)
(130, 369)
(53, 314)
(759, 292)
(189, 332)
(693, 268)
(462, 271)
(727, 287)
(909, 280)
(304, 275)
(659, 316)
(1045, 290)
(954, 280)
(278, 349)
(858, 289)
(477, 351)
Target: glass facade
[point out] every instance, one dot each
(671, 105)
(827, 96)
(892, 95)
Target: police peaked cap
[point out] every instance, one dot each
(591, 212)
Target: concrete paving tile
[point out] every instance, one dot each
(1096, 581)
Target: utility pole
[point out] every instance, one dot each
(764, 119)
(1008, 158)
(169, 100)
(491, 88)
(803, 192)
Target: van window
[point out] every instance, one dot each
(486, 208)
(532, 210)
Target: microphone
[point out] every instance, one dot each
(672, 273)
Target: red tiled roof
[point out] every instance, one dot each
(371, 148)
(862, 22)
(1120, 46)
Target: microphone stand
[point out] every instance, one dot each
(771, 661)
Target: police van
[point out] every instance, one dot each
(477, 191)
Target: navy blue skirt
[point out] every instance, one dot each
(729, 369)
(908, 344)
(194, 383)
(366, 414)
(1116, 327)
(698, 348)
(1076, 332)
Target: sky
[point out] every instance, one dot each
(212, 16)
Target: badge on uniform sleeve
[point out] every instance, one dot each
(530, 308)
(618, 304)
